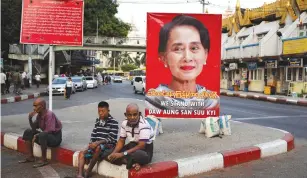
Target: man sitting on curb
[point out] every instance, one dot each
(103, 140)
(51, 134)
(139, 150)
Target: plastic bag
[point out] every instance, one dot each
(224, 124)
(210, 127)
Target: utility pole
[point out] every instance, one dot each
(204, 3)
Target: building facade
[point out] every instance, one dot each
(265, 49)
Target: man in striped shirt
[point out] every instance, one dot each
(103, 140)
(137, 130)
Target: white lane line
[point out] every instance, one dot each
(236, 110)
(278, 107)
(48, 172)
(269, 117)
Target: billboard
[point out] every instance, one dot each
(183, 65)
(54, 22)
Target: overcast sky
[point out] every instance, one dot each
(136, 10)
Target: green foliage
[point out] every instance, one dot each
(109, 25)
(10, 23)
(128, 67)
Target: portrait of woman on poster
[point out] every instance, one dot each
(184, 45)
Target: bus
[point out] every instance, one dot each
(124, 75)
(137, 72)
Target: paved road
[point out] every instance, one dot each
(288, 117)
(10, 168)
(116, 90)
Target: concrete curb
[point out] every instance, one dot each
(21, 97)
(168, 169)
(266, 98)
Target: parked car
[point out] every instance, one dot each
(139, 84)
(80, 83)
(91, 82)
(117, 79)
(58, 86)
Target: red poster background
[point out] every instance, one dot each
(157, 74)
(54, 22)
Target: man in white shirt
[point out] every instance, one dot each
(137, 130)
(38, 79)
(3, 78)
(68, 88)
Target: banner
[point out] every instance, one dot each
(54, 22)
(183, 65)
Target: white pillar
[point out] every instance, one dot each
(51, 74)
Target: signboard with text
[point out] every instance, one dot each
(183, 65)
(295, 46)
(54, 22)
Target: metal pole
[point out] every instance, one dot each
(51, 66)
(97, 31)
(203, 2)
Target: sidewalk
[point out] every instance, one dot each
(271, 98)
(180, 151)
(28, 93)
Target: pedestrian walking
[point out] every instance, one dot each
(8, 82)
(17, 82)
(68, 88)
(38, 79)
(3, 79)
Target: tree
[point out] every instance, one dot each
(143, 59)
(125, 58)
(105, 11)
(128, 67)
(137, 60)
(10, 24)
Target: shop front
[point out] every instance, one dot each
(296, 76)
(255, 76)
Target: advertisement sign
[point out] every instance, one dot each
(295, 46)
(183, 65)
(271, 64)
(252, 65)
(296, 62)
(54, 22)
(233, 66)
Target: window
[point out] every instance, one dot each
(224, 75)
(302, 30)
(295, 74)
(260, 36)
(138, 79)
(256, 74)
(300, 74)
(242, 38)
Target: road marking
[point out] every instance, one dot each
(269, 117)
(48, 172)
(236, 110)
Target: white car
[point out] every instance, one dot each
(117, 79)
(58, 86)
(91, 82)
(139, 84)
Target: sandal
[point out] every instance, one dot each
(41, 164)
(27, 160)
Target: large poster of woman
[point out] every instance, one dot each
(183, 65)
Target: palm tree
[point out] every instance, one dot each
(125, 58)
(143, 59)
(137, 60)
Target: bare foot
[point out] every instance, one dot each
(136, 166)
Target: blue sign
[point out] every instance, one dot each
(252, 65)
